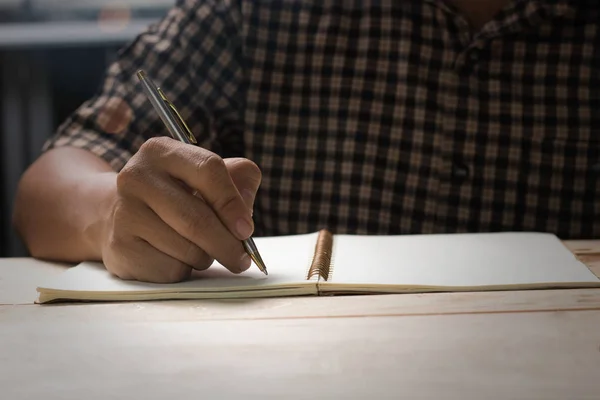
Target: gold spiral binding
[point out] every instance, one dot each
(321, 262)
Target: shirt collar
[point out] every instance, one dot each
(520, 15)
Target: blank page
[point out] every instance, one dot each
(456, 260)
(287, 258)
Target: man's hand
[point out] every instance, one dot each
(157, 230)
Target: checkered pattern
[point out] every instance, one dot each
(376, 117)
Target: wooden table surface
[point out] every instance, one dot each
(542, 344)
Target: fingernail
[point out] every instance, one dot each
(244, 229)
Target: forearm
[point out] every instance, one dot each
(61, 205)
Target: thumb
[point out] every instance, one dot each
(246, 177)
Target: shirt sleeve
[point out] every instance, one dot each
(193, 55)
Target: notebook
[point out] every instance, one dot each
(322, 263)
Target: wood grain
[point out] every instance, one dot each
(541, 344)
(588, 252)
(589, 247)
(82, 355)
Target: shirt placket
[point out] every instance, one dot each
(462, 106)
(451, 166)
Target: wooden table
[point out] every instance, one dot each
(496, 345)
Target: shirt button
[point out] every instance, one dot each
(460, 171)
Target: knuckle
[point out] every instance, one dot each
(176, 273)
(211, 161)
(114, 264)
(119, 209)
(158, 149)
(157, 144)
(244, 169)
(114, 246)
(196, 257)
(123, 274)
(225, 203)
(232, 260)
(211, 167)
(113, 242)
(120, 222)
(129, 175)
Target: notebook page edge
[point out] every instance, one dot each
(96, 278)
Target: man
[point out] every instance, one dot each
(378, 117)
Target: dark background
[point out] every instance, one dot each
(53, 54)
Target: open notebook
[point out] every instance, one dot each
(321, 263)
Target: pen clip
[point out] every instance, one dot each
(181, 122)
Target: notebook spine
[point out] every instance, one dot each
(321, 263)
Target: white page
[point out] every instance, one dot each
(456, 260)
(287, 258)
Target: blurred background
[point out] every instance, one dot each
(52, 56)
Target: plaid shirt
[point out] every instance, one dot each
(376, 117)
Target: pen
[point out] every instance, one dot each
(180, 131)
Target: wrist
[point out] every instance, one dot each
(101, 190)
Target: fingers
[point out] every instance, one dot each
(187, 215)
(183, 206)
(166, 240)
(136, 259)
(246, 177)
(206, 172)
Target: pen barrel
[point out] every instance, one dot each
(165, 114)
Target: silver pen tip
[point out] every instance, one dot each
(252, 251)
(259, 262)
